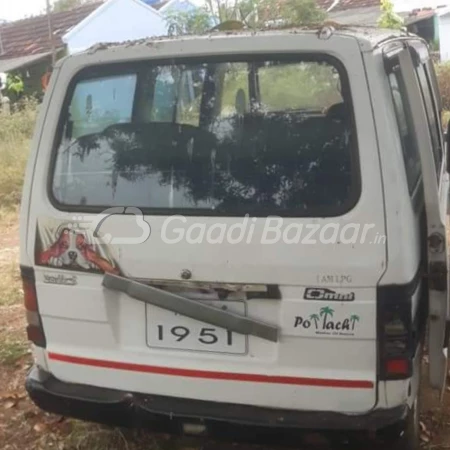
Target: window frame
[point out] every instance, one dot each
(260, 98)
(428, 101)
(222, 83)
(135, 67)
(395, 71)
(100, 78)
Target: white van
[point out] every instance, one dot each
(239, 229)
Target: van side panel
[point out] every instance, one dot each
(404, 219)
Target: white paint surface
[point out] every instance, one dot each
(444, 37)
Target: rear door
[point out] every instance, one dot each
(421, 87)
(247, 183)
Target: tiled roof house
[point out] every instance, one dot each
(26, 47)
(27, 41)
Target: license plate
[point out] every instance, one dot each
(169, 330)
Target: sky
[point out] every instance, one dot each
(18, 9)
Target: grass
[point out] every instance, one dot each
(15, 134)
(445, 119)
(97, 437)
(11, 351)
(10, 284)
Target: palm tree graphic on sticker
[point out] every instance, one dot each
(354, 318)
(316, 319)
(325, 312)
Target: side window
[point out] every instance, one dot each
(235, 90)
(177, 96)
(432, 115)
(101, 102)
(301, 86)
(410, 151)
(190, 97)
(164, 97)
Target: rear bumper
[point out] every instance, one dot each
(168, 414)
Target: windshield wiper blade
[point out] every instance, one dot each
(191, 308)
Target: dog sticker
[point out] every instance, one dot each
(72, 247)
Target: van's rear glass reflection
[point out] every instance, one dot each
(227, 138)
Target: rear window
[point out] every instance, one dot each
(211, 137)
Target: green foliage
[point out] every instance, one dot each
(435, 45)
(223, 9)
(247, 11)
(443, 75)
(12, 351)
(15, 133)
(230, 25)
(388, 17)
(10, 281)
(292, 12)
(292, 88)
(311, 86)
(197, 21)
(14, 84)
(252, 13)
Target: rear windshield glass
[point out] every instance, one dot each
(229, 138)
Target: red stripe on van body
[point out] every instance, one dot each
(274, 379)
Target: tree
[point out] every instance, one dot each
(291, 12)
(388, 17)
(224, 10)
(251, 13)
(14, 84)
(197, 21)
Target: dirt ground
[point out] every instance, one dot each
(24, 427)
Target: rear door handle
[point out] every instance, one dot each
(191, 308)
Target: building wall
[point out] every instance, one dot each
(436, 28)
(444, 37)
(118, 21)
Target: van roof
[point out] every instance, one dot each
(369, 37)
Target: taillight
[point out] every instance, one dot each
(398, 367)
(29, 293)
(397, 333)
(35, 330)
